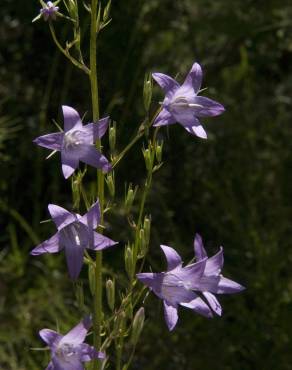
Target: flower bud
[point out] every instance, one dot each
(158, 151)
(129, 261)
(120, 323)
(147, 91)
(110, 293)
(72, 8)
(91, 278)
(147, 153)
(112, 137)
(138, 324)
(147, 229)
(142, 243)
(110, 181)
(106, 12)
(130, 196)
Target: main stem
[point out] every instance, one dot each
(97, 316)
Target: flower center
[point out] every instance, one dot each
(73, 139)
(65, 351)
(181, 103)
(76, 234)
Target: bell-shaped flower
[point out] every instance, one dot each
(69, 352)
(189, 286)
(182, 103)
(75, 234)
(49, 11)
(76, 142)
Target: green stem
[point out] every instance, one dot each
(95, 113)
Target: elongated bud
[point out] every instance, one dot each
(110, 293)
(129, 261)
(110, 181)
(80, 295)
(158, 151)
(112, 137)
(72, 8)
(147, 91)
(138, 324)
(148, 157)
(120, 323)
(91, 278)
(142, 244)
(147, 229)
(130, 197)
(106, 12)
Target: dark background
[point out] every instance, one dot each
(235, 188)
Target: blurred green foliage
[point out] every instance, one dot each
(235, 189)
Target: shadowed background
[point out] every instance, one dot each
(234, 189)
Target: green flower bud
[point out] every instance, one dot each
(147, 91)
(129, 261)
(147, 229)
(110, 181)
(138, 324)
(158, 151)
(143, 243)
(130, 196)
(147, 153)
(110, 293)
(120, 323)
(112, 137)
(106, 12)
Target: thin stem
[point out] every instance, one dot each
(95, 115)
(66, 52)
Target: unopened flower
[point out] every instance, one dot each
(75, 233)
(76, 143)
(187, 286)
(182, 103)
(68, 352)
(49, 11)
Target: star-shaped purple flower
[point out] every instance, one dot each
(49, 11)
(182, 103)
(68, 352)
(76, 143)
(187, 286)
(75, 233)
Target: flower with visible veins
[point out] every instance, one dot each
(75, 234)
(182, 103)
(187, 286)
(68, 352)
(76, 143)
(49, 11)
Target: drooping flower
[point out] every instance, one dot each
(75, 233)
(68, 352)
(49, 11)
(189, 286)
(182, 103)
(76, 143)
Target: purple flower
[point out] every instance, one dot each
(68, 351)
(75, 233)
(76, 143)
(182, 103)
(181, 285)
(49, 11)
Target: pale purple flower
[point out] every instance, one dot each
(75, 233)
(76, 143)
(182, 103)
(68, 352)
(49, 11)
(191, 285)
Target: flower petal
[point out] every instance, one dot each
(74, 256)
(194, 78)
(170, 314)
(172, 257)
(48, 246)
(92, 217)
(196, 130)
(90, 155)
(78, 334)
(199, 306)
(101, 242)
(50, 366)
(192, 273)
(209, 107)
(164, 118)
(89, 353)
(215, 263)
(50, 141)
(213, 302)
(100, 128)
(61, 216)
(200, 251)
(67, 364)
(50, 337)
(227, 286)
(71, 118)
(69, 162)
(167, 83)
(152, 280)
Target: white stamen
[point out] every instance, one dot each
(51, 154)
